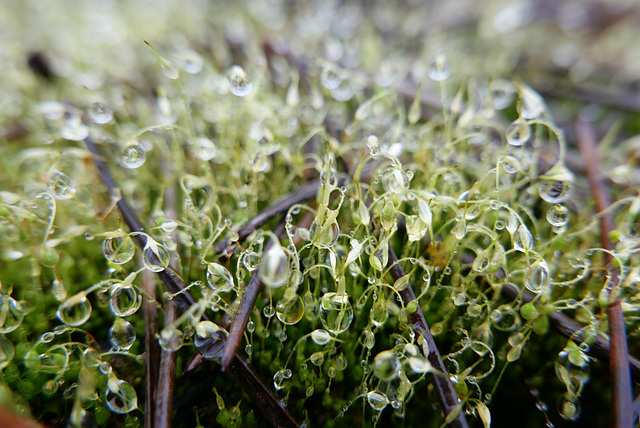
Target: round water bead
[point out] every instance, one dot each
(395, 181)
(205, 149)
(121, 399)
(377, 400)
(132, 156)
(60, 185)
(336, 312)
(280, 378)
(122, 335)
(373, 145)
(12, 314)
(554, 191)
(379, 313)
(170, 339)
(522, 239)
(210, 339)
(156, 257)
(511, 165)
(251, 260)
(59, 290)
(55, 360)
(439, 69)
(219, 278)
(239, 83)
(75, 311)
(320, 337)
(7, 352)
(100, 113)
(119, 248)
(125, 300)
(91, 358)
(386, 365)
(518, 132)
(274, 268)
(503, 93)
(537, 276)
(558, 215)
(290, 309)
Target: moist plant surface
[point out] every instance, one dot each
(320, 214)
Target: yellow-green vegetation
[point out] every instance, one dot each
(419, 124)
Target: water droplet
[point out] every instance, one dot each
(290, 309)
(522, 239)
(210, 339)
(317, 358)
(511, 165)
(170, 339)
(439, 69)
(251, 260)
(205, 149)
(219, 278)
(377, 400)
(100, 113)
(91, 358)
(239, 83)
(420, 364)
(570, 409)
(251, 326)
(168, 69)
(156, 256)
(122, 335)
(48, 256)
(11, 313)
(132, 156)
(373, 145)
(554, 191)
(336, 312)
(274, 268)
(280, 378)
(75, 311)
(61, 186)
(268, 312)
(320, 337)
(379, 313)
(7, 352)
(537, 276)
(386, 365)
(51, 110)
(369, 340)
(190, 61)
(460, 229)
(118, 248)
(125, 300)
(121, 399)
(518, 132)
(74, 129)
(503, 93)
(558, 215)
(329, 78)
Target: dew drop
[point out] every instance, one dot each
(11, 313)
(522, 239)
(122, 335)
(329, 78)
(439, 69)
(554, 191)
(168, 69)
(156, 257)
(317, 358)
(280, 378)
(537, 276)
(61, 186)
(119, 248)
(386, 365)
(503, 93)
(251, 326)
(74, 129)
(379, 313)
(377, 400)
(251, 260)
(170, 339)
(274, 268)
(336, 312)
(100, 113)
(132, 156)
(125, 300)
(75, 311)
(373, 145)
(558, 215)
(210, 339)
(268, 312)
(518, 132)
(91, 358)
(239, 83)
(48, 256)
(219, 278)
(206, 149)
(290, 309)
(51, 110)
(121, 399)
(320, 337)
(7, 352)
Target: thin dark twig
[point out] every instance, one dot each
(619, 364)
(266, 402)
(152, 349)
(247, 302)
(636, 409)
(446, 394)
(167, 375)
(282, 205)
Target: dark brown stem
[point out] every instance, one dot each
(446, 394)
(247, 302)
(282, 205)
(152, 349)
(619, 363)
(266, 402)
(167, 376)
